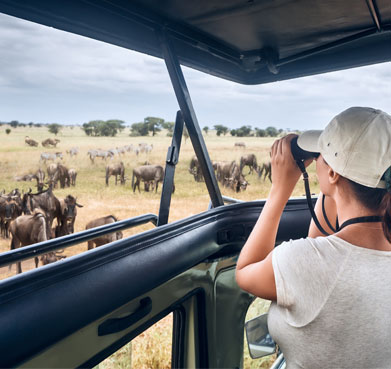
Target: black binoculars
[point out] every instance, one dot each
(300, 154)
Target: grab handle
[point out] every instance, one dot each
(118, 324)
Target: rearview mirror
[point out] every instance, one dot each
(259, 341)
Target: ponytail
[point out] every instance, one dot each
(386, 205)
(377, 200)
(386, 210)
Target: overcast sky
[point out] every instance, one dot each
(49, 76)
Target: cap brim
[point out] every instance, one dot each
(308, 140)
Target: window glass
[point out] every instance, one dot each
(150, 350)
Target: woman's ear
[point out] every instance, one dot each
(333, 176)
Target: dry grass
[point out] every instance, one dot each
(16, 158)
(151, 349)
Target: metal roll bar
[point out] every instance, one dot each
(40, 248)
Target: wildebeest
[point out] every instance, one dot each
(46, 201)
(195, 169)
(266, 168)
(29, 141)
(107, 237)
(63, 175)
(147, 173)
(73, 151)
(240, 144)
(40, 177)
(49, 156)
(58, 172)
(50, 142)
(236, 181)
(72, 173)
(52, 170)
(26, 177)
(51, 257)
(27, 230)
(250, 160)
(10, 208)
(66, 215)
(224, 170)
(117, 169)
(148, 185)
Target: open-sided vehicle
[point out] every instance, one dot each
(78, 312)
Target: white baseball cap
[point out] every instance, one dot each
(356, 144)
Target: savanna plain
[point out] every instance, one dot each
(152, 348)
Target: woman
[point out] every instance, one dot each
(331, 295)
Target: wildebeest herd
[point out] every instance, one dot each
(28, 217)
(230, 173)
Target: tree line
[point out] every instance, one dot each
(52, 127)
(150, 125)
(154, 125)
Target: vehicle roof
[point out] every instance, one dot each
(247, 41)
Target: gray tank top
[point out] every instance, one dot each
(333, 306)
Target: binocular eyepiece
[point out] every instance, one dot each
(300, 154)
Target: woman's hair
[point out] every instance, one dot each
(375, 199)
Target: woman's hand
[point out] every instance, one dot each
(254, 269)
(285, 172)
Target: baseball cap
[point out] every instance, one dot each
(356, 144)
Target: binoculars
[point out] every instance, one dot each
(300, 154)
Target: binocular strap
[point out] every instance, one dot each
(366, 219)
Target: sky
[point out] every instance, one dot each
(51, 76)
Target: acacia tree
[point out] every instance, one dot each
(154, 124)
(206, 129)
(103, 128)
(272, 131)
(54, 128)
(169, 126)
(243, 131)
(139, 129)
(220, 129)
(259, 132)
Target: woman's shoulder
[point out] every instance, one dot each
(313, 249)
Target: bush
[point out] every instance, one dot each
(8, 131)
(54, 128)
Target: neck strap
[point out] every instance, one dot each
(368, 219)
(301, 165)
(327, 219)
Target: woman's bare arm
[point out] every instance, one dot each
(254, 271)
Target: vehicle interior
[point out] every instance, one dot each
(55, 316)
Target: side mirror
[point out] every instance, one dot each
(259, 341)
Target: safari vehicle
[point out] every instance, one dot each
(78, 312)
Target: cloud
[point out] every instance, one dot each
(51, 75)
